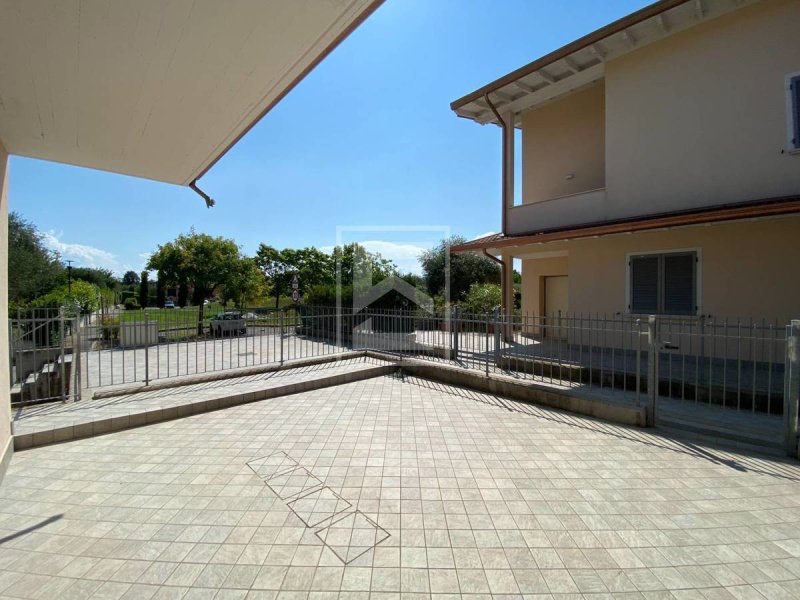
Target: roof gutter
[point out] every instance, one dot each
(773, 207)
(620, 25)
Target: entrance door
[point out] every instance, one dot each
(556, 294)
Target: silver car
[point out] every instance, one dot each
(228, 322)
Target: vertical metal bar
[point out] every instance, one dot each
(698, 364)
(487, 344)
(591, 351)
(62, 355)
(146, 363)
(603, 337)
(771, 359)
(652, 368)
(755, 364)
(280, 336)
(498, 324)
(725, 363)
(739, 364)
(638, 362)
(791, 392)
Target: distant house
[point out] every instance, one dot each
(660, 165)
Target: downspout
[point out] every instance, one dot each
(502, 264)
(209, 200)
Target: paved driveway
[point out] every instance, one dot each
(383, 487)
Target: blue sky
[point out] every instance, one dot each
(366, 140)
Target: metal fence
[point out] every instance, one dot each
(42, 346)
(748, 366)
(124, 347)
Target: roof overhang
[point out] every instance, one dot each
(582, 63)
(159, 90)
(761, 209)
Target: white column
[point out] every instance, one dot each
(508, 166)
(6, 441)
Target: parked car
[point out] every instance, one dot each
(227, 322)
(169, 304)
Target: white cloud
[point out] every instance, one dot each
(83, 254)
(488, 233)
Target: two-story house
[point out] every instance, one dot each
(660, 165)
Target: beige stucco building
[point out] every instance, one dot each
(660, 165)
(159, 90)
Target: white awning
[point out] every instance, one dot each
(150, 88)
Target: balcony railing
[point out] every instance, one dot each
(565, 211)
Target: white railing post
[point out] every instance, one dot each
(791, 392)
(652, 369)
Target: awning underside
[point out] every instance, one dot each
(158, 90)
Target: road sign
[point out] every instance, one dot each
(295, 295)
(295, 282)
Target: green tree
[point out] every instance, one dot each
(144, 289)
(161, 290)
(33, 269)
(312, 267)
(130, 278)
(245, 283)
(276, 269)
(198, 259)
(102, 278)
(355, 263)
(466, 269)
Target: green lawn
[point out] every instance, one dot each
(181, 319)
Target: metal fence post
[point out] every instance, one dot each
(280, 336)
(76, 358)
(791, 392)
(487, 344)
(146, 356)
(498, 325)
(62, 355)
(638, 363)
(652, 369)
(454, 326)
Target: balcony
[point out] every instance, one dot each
(565, 211)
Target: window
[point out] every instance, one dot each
(663, 283)
(793, 104)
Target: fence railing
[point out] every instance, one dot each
(744, 365)
(42, 346)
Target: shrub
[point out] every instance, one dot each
(110, 329)
(482, 298)
(132, 304)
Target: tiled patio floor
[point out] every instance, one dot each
(383, 488)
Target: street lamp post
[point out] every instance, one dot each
(69, 276)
